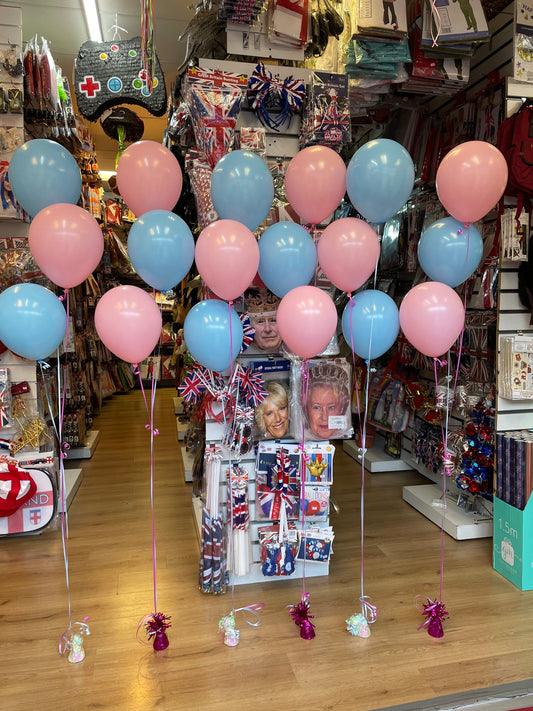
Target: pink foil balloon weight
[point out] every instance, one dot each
(315, 183)
(307, 320)
(160, 641)
(471, 178)
(227, 258)
(66, 242)
(432, 316)
(129, 322)
(149, 177)
(348, 251)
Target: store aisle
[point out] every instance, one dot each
(487, 639)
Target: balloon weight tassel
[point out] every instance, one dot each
(302, 618)
(156, 627)
(435, 613)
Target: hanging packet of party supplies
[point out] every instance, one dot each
(316, 544)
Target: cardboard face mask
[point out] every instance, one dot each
(111, 73)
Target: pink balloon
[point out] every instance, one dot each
(66, 242)
(129, 322)
(149, 177)
(227, 257)
(432, 316)
(471, 178)
(315, 183)
(307, 320)
(348, 251)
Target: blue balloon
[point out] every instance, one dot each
(32, 321)
(373, 321)
(287, 257)
(161, 248)
(43, 173)
(207, 334)
(242, 188)
(379, 179)
(450, 252)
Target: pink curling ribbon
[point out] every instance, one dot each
(438, 24)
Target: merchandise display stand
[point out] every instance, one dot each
(214, 433)
(188, 463)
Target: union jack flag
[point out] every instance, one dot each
(192, 387)
(248, 332)
(250, 385)
(282, 487)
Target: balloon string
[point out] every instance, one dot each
(438, 24)
(316, 245)
(153, 433)
(305, 392)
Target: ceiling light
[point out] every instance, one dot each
(93, 20)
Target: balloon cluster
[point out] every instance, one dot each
(67, 245)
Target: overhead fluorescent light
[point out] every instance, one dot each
(93, 20)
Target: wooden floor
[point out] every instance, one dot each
(488, 638)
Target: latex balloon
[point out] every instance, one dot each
(470, 180)
(348, 251)
(42, 173)
(370, 323)
(129, 322)
(161, 248)
(242, 188)
(287, 257)
(315, 183)
(227, 258)
(207, 334)
(379, 179)
(432, 317)
(32, 320)
(149, 177)
(67, 243)
(450, 252)
(307, 320)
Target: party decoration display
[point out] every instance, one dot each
(207, 334)
(112, 73)
(432, 317)
(476, 468)
(149, 177)
(42, 172)
(435, 613)
(470, 180)
(450, 252)
(315, 183)
(32, 320)
(307, 320)
(129, 322)
(379, 179)
(213, 550)
(214, 99)
(227, 258)
(161, 248)
(348, 252)
(66, 242)
(287, 257)
(370, 323)
(199, 172)
(242, 188)
(268, 93)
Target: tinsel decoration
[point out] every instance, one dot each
(478, 453)
(227, 627)
(302, 618)
(357, 625)
(435, 613)
(155, 627)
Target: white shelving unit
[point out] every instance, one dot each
(86, 450)
(461, 525)
(73, 480)
(188, 463)
(376, 459)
